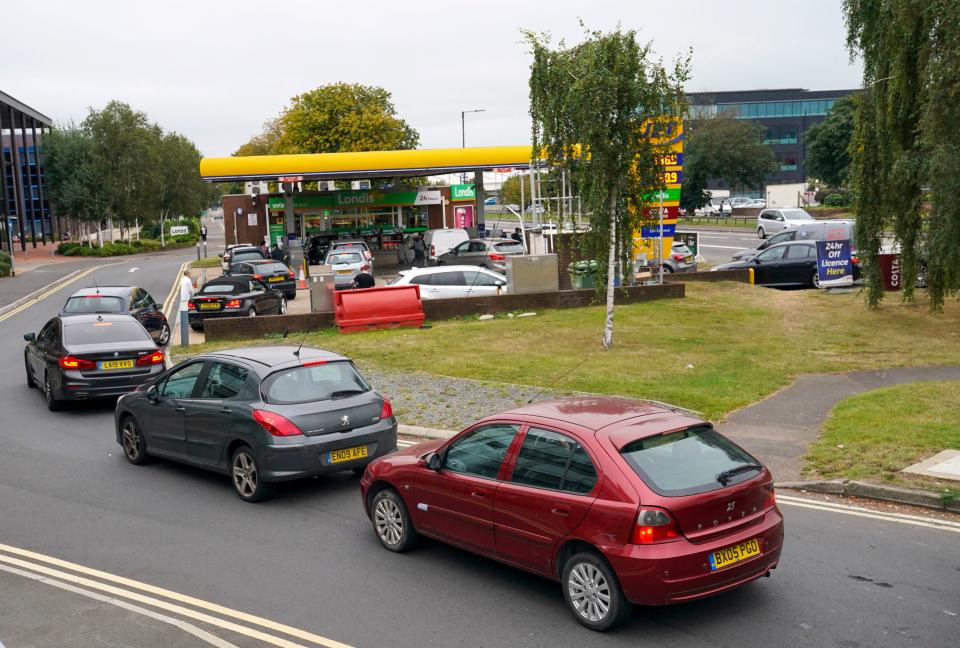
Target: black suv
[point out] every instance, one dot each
(121, 300)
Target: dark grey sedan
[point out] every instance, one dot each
(260, 415)
(487, 253)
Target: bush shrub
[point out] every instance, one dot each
(836, 200)
(4, 264)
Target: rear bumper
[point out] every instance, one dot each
(308, 456)
(196, 318)
(286, 287)
(75, 386)
(676, 572)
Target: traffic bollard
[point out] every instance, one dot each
(198, 251)
(184, 329)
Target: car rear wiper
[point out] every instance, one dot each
(345, 392)
(725, 476)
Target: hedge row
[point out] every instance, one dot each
(4, 264)
(120, 249)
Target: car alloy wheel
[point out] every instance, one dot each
(815, 279)
(164, 338)
(593, 593)
(283, 306)
(246, 476)
(391, 521)
(761, 233)
(252, 312)
(134, 448)
(52, 403)
(667, 269)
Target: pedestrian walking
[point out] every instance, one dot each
(203, 233)
(187, 289)
(419, 252)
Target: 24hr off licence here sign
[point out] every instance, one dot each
(834, 263)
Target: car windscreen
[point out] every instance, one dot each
(343, 257)
(313, 382)
(513, 247)
(687, 462)
(223, 289)
(103, 333)
(245, 255)
(796, 214)
(95, 304)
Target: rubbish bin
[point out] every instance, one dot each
(583, 274)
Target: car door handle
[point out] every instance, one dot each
(181, 408)
(560, 510)
(478, 494)
(225, 410)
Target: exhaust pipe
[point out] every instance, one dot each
(81, 396)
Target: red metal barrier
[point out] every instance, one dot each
(378, 308)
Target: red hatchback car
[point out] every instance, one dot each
(622, 501)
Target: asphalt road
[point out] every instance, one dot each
(719, 245)
(308, 558)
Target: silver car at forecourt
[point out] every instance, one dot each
(260, 415)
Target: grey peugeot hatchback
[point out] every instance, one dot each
(260, 415)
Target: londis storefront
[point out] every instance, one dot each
(374, 214)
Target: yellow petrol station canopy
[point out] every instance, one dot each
(367, 164)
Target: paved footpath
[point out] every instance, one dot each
(779, 429)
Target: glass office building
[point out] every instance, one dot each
(785, 114)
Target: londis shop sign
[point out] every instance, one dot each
(460, 192)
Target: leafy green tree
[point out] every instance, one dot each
(343, 117)
(181, 190)
(828, 144)
(71, 182)
(591, 105)
(722, 147)
(263, 144)
(907, 140)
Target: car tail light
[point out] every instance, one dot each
(191, 306)
(496, 257)
(275, 424)
(154, 358)
(387, 410)
(314, 363)
(771, 499)
(676, 257)
(654, 525)
(290, 274)
(365, 268)
(72, 362)
(433, 251)
(233, 303)
(258, 277)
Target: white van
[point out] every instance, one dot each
(441, 241)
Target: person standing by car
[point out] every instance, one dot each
(187, 289)
(419, 251)
(364, 280)
(517, 235)
(264, 249)
(277, 254)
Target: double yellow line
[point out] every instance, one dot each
(44, 295)
(74, 577)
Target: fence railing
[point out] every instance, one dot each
(717, 220)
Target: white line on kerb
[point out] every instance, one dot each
(856, 511)
(183, 625)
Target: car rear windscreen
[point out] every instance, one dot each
(245, 255)
(270, 267)
(103, 333)
(343, 257)
(687, 462)
(796, 214)
(223, 289)
(312, 383)
(95, 304)
(509, 248)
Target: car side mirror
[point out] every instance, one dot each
(756, 261)
(29, 337)
(501, 284)
(153, 394)
(433, 461)
(220, 255)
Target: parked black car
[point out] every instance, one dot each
(260, 415)
(234, 297)
(785, 265)
(90, 356)
(273, 273)
(317, 247)
(121, 300)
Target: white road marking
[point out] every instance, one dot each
(133, 269)
(43, 296)
(183, 625)
(250, 619)
(722, 247)
(859, 511)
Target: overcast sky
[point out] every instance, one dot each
(216, 70)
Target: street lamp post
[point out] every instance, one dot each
(463, 125)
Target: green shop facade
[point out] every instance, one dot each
(373, 212)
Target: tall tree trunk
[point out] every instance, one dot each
(611, 268)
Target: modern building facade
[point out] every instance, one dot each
(786, 115)
(24, 204)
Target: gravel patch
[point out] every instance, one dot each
(446, 403)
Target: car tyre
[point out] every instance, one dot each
(252, 312)
(761, 233)
(31, 383)
(667, 269)
(391, 521)
(133, 443)
(292, 295)
(164, 338)
(246, 478)
(53, 403)
(196, 327)
(592, 592)
(815, 279)
(282, 308)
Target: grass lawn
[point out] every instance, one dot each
(878, 433)
(724, 346)
(209, 262)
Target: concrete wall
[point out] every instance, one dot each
(742, 275)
